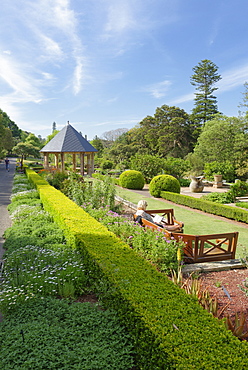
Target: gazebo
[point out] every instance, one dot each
(69, 141)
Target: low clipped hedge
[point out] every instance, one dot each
(132, 179)
(207, 206)
(170, 329)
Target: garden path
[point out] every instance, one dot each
(6, 182)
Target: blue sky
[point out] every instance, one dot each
(107, 64)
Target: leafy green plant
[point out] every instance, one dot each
(163, 183)
(51, 333)
(239, 189)
(132, 179)
(98, 193)
(56, 178)
(223, 198)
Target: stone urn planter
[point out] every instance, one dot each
(217, 181)
(196, 185)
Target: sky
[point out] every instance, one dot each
(107, 64)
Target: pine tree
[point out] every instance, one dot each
(204, 77)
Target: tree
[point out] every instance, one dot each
(168, 133)
(25, 149)
(97, 144)
(204, 77)
(34, 140)
(54, 126)
(224, 139)
(110, 136)
(6, 138)
(8, 123)
(245, 98)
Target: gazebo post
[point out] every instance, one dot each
(82, 163)
(46, 160)
(56, 160)
(88, 164)
(62, 161)
(92, 163)
(74, 162)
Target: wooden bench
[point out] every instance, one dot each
(198, 248)
(167, 214)
(208, 248)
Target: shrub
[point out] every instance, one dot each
(132, 179)
(107, 165)
(239, 189)
(176, 167)
(164, 183)
(149, 165)
(223, 198)
(56, 179)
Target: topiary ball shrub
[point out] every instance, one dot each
(132, 179)
(163, 183)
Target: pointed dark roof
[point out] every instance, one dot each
(68, 140)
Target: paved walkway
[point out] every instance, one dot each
(6, 182)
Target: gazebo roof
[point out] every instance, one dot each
(68, 140)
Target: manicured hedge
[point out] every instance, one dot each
(170, 329)
(207, 206)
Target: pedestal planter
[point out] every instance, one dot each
(217, 181)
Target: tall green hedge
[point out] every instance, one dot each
(170, 329)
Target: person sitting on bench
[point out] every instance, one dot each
(141, 211)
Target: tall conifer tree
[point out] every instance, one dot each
(204, 77)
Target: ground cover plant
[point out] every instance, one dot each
(52, 334)
(40, 330)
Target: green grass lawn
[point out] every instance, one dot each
(194, 222)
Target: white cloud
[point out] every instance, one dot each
(158, 90)
(182, 99)
(119, 17)
(233, 78)
(18, 80)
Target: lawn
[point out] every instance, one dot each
(195, 222)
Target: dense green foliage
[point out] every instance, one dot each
(169, 328)
(149, 165)
(132, 179)
(226, 169)
(163, 183)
